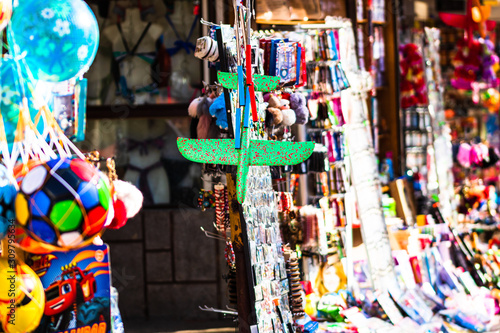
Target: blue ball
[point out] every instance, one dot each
(8, 194)
(60, 37)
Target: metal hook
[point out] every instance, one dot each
(228, 312)
(213, 235)
(208, 23)
(221, 230)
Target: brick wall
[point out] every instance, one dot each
(164, 266)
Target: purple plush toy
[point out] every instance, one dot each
(489, 60)
(299, 105)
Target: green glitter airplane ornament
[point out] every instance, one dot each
(242, 151)
(252, 152)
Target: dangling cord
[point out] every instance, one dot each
(221, 220)
(229, 254)
(110, 163)
(220, 213)
(94, 158)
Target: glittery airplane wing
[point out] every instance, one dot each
(228, 80)
(263, 83)
(279, 153)
(220, 151)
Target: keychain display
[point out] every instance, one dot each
(221, 208)
(268, 263)
(296, 300)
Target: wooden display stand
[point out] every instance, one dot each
(403, 195)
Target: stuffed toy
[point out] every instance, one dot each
(287, 113)
(285, 104)
(412, 85)
(475, 62)
(464, 155)
(274, 110)
(127, 199)
(193, 107)
(279, 115)
(218, 110)
(288, 117)
(276, 116)
(127, 204)
(207, 128)
(299, 105)
(273, 101)
(201, 108)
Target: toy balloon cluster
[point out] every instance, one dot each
(413, 89)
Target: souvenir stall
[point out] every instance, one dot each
(427, 276)
(325, 147)
(56, 200)
(318, 62)
(471, 102)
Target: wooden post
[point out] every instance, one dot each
(246, 317)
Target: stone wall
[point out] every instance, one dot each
(164, 266)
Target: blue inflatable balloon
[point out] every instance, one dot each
(8, 194)
(11, 95)
(60, 37)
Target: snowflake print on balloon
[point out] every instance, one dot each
(83, 51)
(62, 27)
(47, 13)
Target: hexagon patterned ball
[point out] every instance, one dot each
(60, 205)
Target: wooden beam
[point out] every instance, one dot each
(390, 136)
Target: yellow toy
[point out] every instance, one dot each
(22, 298)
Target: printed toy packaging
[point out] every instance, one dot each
(77, 290)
